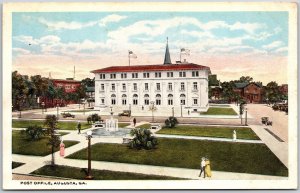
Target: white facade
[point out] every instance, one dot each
(136, 90)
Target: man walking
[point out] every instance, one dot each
(134, 122)
(202, 167)
(79, 127)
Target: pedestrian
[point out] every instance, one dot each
(202, 167)
(62, 149)
(142, 108)
(134, 122)
(207, 168)
(79, 127)
(234, 135)
(188, 112)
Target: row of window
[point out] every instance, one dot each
(146, 86)
(147, 101)
(147, 75)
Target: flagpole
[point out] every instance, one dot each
(180, 55)
(129, 58)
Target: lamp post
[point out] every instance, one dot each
(181, 109)
(173, 111)
(43, 105)
(246, 117)
(89, 172)
(152, 109)
(57, 113)
(111, 112)
(130, 109)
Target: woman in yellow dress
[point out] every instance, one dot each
(207, 168)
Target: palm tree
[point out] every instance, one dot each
(54, 141)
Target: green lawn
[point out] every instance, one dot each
(219, 111)
(183, 153)
(65, 125)
(122, 125)
(144, 126)
(79, 111)
(21, 145)
(210, 131)
(16, 164)
(76, 173)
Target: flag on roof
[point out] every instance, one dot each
(131, 54)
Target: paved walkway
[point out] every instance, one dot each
(137, 168)
(207, 138)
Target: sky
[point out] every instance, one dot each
(232, 44)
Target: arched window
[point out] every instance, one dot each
(113, 99)
(146, 99)
(135, 99)
(182, 99)
(124, 99)
(158, 99)
(170, 99)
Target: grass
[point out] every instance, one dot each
(144, 126)
(122, 125)
(219, 111)
(65, 125)
(77, 173)
(21, 145)
(210, 131)
(183, 153)
(79, 111)
(16, 164)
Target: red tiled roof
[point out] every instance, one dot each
(65, 81)
(160, 67)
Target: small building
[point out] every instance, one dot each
(90, 94)
(251, 92)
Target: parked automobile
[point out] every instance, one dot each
(266, 121)
(125, 113)
(66, 115)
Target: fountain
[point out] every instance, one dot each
(111, 124)
(109, 129)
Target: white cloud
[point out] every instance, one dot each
(74, 25)
(273, 45)
(281, 50)
(59, 25)
(111, 19)
(21, 51)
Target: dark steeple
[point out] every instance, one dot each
(167, 55)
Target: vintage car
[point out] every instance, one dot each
(66, 115)
(126, 113)
(266, 121)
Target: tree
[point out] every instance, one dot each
(152, 108)
(87, 82)
(54, 140)
(272, 92)
(93, 118)
(143, 139)
(171, 122)
(227, 91)
(19, 91)
(246, 79)
(242, 107)
(34, 132)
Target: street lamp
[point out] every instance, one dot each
(89, 172)
(181, 109)
(111, 112)
(57, 106)
(246, 117)
(173, 111)
(43, 105)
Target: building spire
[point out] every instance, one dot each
(167, 54)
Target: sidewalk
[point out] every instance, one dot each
(146, 169)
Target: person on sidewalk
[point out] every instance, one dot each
(79, 127)
(207, 168)
(62, 149)
(202, 167)
(234, 135)
(134, 122)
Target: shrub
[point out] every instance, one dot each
(275, 107)
(171, 122)
(34, 132)
(93, 118)
(143, 139)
